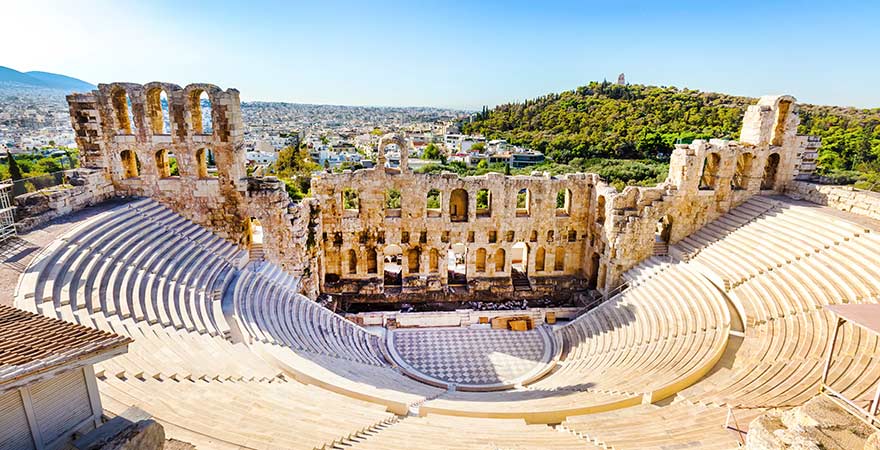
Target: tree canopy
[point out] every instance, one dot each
(604, 120)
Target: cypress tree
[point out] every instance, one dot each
(14, 170)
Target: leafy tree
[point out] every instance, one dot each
(431, 152)
(294, 161)
(478, 147)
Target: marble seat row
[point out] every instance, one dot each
(653, 427)
(456, 433)
(272, 311)
(137, 261)
(649, 342)
(787, 332)
(762, 235)
(221, 415)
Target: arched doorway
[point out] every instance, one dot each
(662, 233)
(393, 266)
(456, 264)
(255, 230)
(519, 266)
(768, 181)
(594, 271)
(664, 230)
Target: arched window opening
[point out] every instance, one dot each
(456, 264)
(432, 204)
(572, 236)
(740, 179)
(122, 108)
(782, 110)
(540, 256)
(563, 202)
(131, 167)
(484, 203)
(481, 260)
(434, 260)
(770, 169)
(350, 200)
(600, 210)
(393, 263)
(372, 262)
(458, 206)
(205, 163)
(413, 257)
(200, 112)
(523, 203)
(709, 179)
(352, 262)
(550, 235)
(392, 203)
(166, 164)
(500, 257)
(533, 237)
(559, 259)
(157, 111)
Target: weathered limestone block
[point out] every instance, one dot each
(818, 424)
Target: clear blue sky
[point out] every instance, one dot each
(455, 54)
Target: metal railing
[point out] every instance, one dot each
(7, 211)
(735, 427)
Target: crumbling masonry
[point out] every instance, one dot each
(391, 235)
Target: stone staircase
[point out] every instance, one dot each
(661, 248)
(520, 281)
(256, 253)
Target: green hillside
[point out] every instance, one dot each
(603, 120)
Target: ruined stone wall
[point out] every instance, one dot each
(603, 233)
(84, 187)
(595, 236)
(844, 198)
(121, 119)
(706, 179)
(290, 231)
(352, 238)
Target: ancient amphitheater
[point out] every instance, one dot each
(699, 306)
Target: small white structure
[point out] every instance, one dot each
(48, 390)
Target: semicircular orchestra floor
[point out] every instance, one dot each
(478, 358)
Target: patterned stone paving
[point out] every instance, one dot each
(471, 356)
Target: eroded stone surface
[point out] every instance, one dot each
(520, 244)
(818, 424)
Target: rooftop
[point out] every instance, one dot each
(30, 343)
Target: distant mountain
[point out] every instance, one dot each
(44, 80)
(62, 81)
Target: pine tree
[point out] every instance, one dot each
(14, 170)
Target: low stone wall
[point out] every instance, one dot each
(86, 187)
(844, 198)
(457, 318)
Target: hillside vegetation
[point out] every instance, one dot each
(608, 121)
